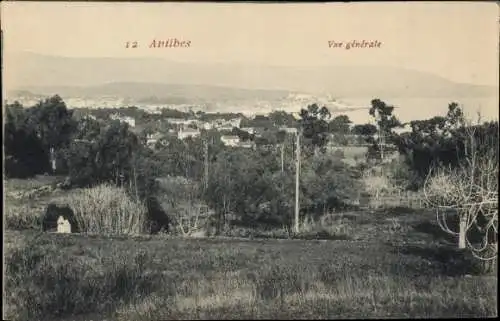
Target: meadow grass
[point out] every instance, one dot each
(153, 277)
(387, 263)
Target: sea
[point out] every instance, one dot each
(407, 109)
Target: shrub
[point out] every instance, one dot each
(22, 218)
(49, 221)
(106, 209)
(42, 282)
(180, 198)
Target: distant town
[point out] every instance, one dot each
(245, 126)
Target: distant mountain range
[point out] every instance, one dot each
(154, 93)
(158, 78)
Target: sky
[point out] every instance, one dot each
(456, 40)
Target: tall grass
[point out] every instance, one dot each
(41, 281)
(53, 275)
(22, 217)
(106, 209)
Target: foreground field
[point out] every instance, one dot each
(75, 277)
(389, 263)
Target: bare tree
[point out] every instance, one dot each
(180, 198)
(190, 219)
(471, 192)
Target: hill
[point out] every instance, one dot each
(154, 93)
(138, 76)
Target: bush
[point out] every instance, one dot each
(328, 184)
(41, 282)
(22, 218)
(106, 209)
(181, 199)
(49, 221)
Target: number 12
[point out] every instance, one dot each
(128, 44)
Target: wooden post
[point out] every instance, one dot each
(135, 181)
(53, 160)
(462, 232)
(297, 172)
(282, 158)
(206, 165)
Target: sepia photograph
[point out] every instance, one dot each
(209, 160)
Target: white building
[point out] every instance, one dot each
(296, 115)
(63, 225)
(289, 130)
(249, 130)
(188, 132)
(246, 144)
(126, 119)
(152, 139)
(206, 125)
(236, 122)
(226, 128)
(230, 140)
(89, 116)
(224, 124)
(405, 129)
(180, 121)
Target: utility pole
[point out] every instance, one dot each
(135, 177)
(381, 141)
(53, 160)
(206, 164)
(381, 145)
(282, 158)
(297, 171)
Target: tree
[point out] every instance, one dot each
(103, 156)
(386, 122)
(181, 198)
(221, 193)
(340, 127)
(243, 135)
(259, 121)
(314, 127)
(53, 124)
(24, 153)
(35, 135)
(340, 124)
(364, 133)
(281, 118)
(327, 183)
(471, 191)
(439, 141)
(241, 183)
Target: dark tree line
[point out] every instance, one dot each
(442, 141)
(33, 136)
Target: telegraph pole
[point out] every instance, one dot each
(282, 158)
(381, 145)
(206, 164)
(297, 171)
(53, 159)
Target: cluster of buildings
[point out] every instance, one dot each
(129, 120)
(185, 128)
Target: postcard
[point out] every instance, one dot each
(196, 160)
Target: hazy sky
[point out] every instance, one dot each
(458, 41)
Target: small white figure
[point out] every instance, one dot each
(63, 225)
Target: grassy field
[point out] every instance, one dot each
(394, 263)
